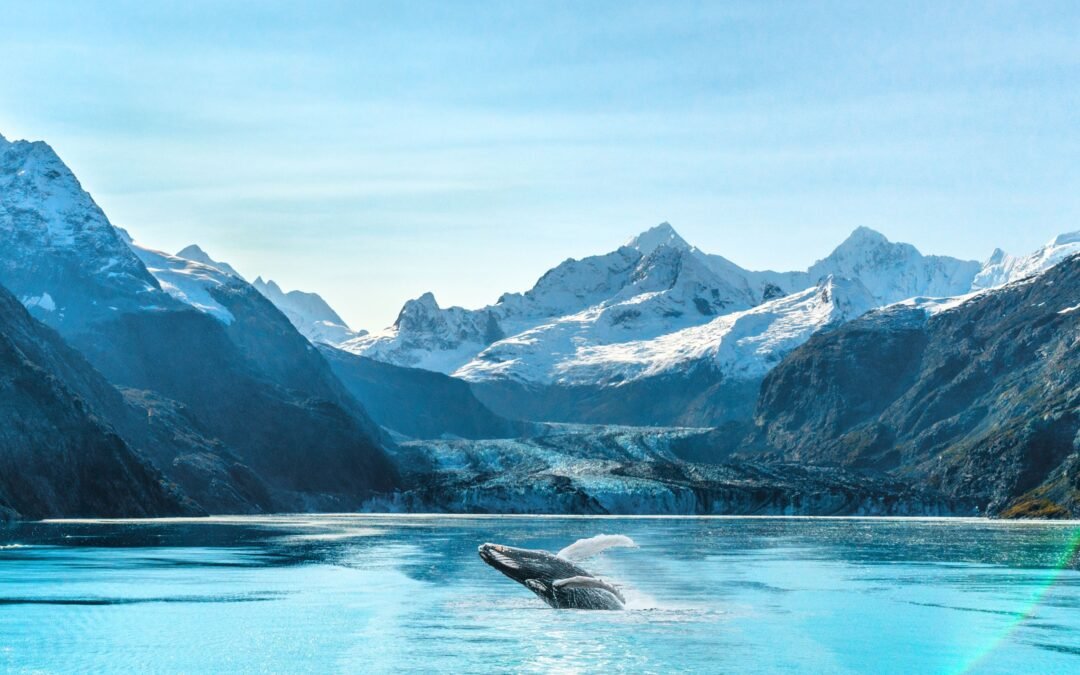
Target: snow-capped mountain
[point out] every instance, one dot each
(311, 315)
(742, 345)
(654, 284)
(658, 304)
(894, 271)
(61, 256)
(427, 336)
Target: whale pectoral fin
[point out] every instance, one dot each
(588, 582)
(535, 585)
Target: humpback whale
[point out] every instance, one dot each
(558, 581)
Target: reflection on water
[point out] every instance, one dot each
(409, 594)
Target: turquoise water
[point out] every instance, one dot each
(409, 594)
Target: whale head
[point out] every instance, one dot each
(523, 564)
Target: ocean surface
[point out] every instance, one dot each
(396, 594)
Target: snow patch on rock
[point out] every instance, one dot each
(44, 302)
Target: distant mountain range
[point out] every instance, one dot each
(880, 381)
(602, 339)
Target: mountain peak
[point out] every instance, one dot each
(655, 237)
(865, 235)
(195, 253)
(192, 250)
(995, 258)
(269, 288)
(418, 313)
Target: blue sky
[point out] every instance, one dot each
(374, 151)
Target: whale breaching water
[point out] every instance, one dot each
(554, 577)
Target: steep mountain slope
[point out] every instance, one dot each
(980, 399)
(417, 403)
(191, 334)
(239, 366)
(58, 457)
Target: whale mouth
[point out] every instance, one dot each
(498, 557)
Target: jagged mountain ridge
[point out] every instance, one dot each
(596, 339)
(195, 253)
(1003, 268)
(652, 288)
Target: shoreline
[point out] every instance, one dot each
(226, 519)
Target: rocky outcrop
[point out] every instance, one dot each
(699, 397)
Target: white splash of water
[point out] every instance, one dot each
(583, 549)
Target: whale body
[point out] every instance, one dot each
(557, 581)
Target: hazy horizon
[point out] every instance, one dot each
(372, 153)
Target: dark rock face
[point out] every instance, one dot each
(698, 398)
(981, 402)
(259, 388)
(417, 403)
(58, 457)
(207, 470)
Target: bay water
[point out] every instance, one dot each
(408, 593)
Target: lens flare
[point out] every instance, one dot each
(1069, 559)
